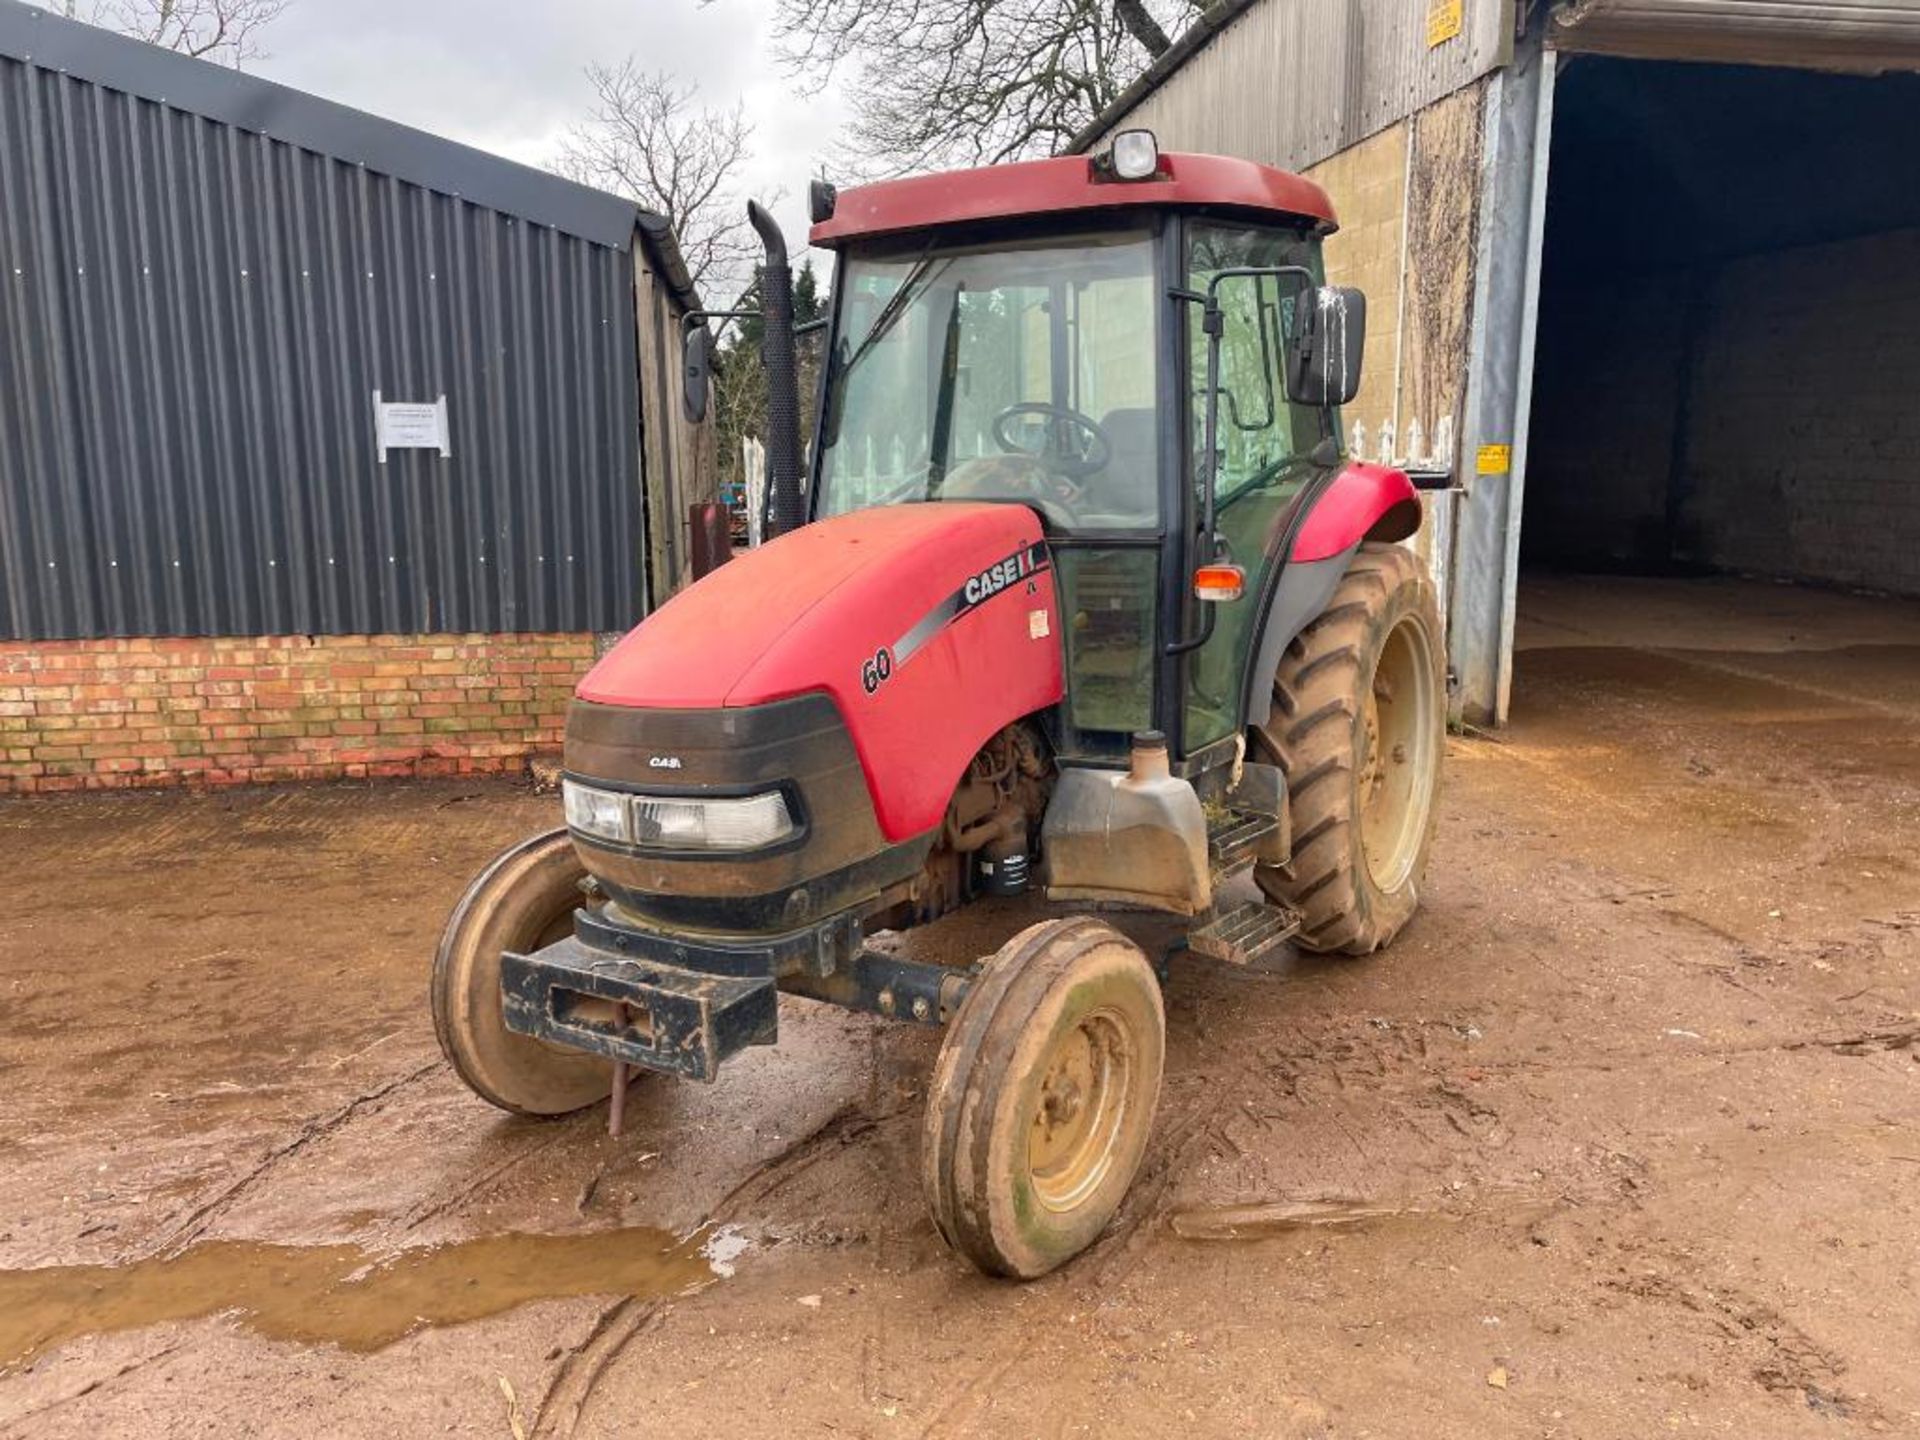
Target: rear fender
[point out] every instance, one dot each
(1304, 589)
(1363, 502)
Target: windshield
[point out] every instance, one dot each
(1024, 371)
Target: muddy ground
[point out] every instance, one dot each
(1642, 1079)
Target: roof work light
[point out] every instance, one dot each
(1135, 155)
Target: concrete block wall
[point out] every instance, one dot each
(1606, 390)
(1803, 455)
(105, 714)
(1407, 199)
(1798, 399)
(1368, 187)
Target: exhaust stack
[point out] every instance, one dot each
(786, 506)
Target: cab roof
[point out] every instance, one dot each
(1068, 184)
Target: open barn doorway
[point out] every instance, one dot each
(1727, 382)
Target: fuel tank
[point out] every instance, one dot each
(927, 626)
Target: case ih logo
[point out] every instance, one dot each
(664, 762)
(995, 578)
(980, 588)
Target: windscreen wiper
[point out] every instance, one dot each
(917, 278)
(942, 438)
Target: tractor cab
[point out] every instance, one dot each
(1073, 601)
(1131, 366)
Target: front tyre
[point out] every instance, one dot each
(525, 899)
(1042, 1101)
(1358, 725)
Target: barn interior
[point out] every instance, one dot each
(1724, 421)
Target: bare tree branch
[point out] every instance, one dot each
(648, 137)
(1139, 23)
(940, 82)
(226, 31)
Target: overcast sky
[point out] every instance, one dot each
(507, 77)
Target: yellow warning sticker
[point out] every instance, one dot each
(1494, 459)
(1444, 18)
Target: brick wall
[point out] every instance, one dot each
(96, 714)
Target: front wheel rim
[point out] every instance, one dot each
(1398, 754)
(1080, 1113)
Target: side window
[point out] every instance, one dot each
(1258, 428)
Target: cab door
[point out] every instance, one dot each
(1264, 445)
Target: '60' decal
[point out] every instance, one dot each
(876, 672)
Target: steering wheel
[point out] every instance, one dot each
(1074, 461)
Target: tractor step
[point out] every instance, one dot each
(1233, 843)
(1245, 934)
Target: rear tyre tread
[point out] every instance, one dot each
(1312, 888)
(1307, 724)
(1323, 826)
(1333, 615)
(1312, 777)
(1346, 654)
(1325, 673)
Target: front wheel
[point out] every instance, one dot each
(525, 899)
(1043, 1099)
(1358, 725)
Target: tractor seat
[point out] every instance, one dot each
(1126, 491)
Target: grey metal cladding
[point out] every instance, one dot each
(193, 318)
(1292, 82)
(247, 102)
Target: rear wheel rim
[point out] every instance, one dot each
(1398, 754)
(1081, 1111)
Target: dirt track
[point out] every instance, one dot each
(1643, 1079)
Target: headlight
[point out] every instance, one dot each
(599, 813)
(710, 824)
(678, 822)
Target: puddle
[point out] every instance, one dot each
(339, 1294)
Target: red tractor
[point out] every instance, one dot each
(1076, 593)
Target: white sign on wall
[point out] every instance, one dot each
(401, 425)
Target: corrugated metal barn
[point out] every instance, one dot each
(1644, 273)
(270, 367)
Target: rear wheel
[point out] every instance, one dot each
(1043, 1099)
(1358, 725)
(525, 899)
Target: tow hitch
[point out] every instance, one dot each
(682, 1006)
(682, 1022)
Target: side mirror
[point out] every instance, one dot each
(696, 372)
(1323, 358)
